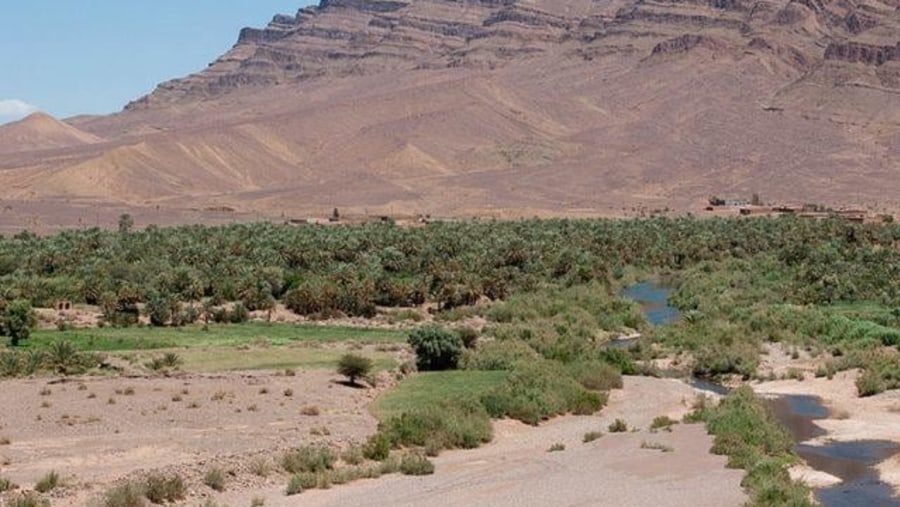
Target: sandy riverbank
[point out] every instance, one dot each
(851, 418)
(517, 470)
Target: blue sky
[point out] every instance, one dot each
(68, 57)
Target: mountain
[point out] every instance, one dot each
(40, 131)
(511, 108)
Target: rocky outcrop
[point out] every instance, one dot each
(688, 42)
(868, 54)
(341, 38)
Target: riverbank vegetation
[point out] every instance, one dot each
(514, 318)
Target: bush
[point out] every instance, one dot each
(557, 447)
(618, 426)
(17, 321)
(47, 483)
(436, 348)
(308, 459)
(538, 390)
(596, 375)
(378, 447)
(125, 495)
(497, 355)
(295, 485)
(456, 425)
(354, 366)
(590, 436)
(215, 478)
(662, 422)
(416, 464)
(160, 489)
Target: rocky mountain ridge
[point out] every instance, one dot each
(511, 107)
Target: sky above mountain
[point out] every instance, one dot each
(69, 57)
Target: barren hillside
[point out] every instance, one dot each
(505, 107)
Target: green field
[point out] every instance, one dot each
(110, 339)
(217, 359)
(430, 388)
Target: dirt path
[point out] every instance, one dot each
(517, 470)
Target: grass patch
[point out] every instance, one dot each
(110, 339)
(432, 388)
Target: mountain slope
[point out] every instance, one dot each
(40, 131)
(510, 107)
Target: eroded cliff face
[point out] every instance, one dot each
(470, 106)
(342, 38)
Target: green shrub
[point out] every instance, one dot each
(596, 375)
(416, 464)
(354, 366)
(48, 482)
(618, 426)
(497, 355)
(129, 494)
(160, 489)
(590, 436)
(308, 459)
(294, 486)
(377, 447)
(557, 447)
(353, 455)
(662, 422)
(537, 390)
(436, 348)
(456, 425)
(215, 478)
(869, 383)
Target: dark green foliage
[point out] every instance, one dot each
(354, 366)
(17, 320)
(538, 390)
(436, 348)
(497, 355)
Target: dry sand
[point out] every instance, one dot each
(517, 470)
(92, 443)
(852, 418)
(184, 423)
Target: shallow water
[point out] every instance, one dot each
(654, 301)
(852, 462)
